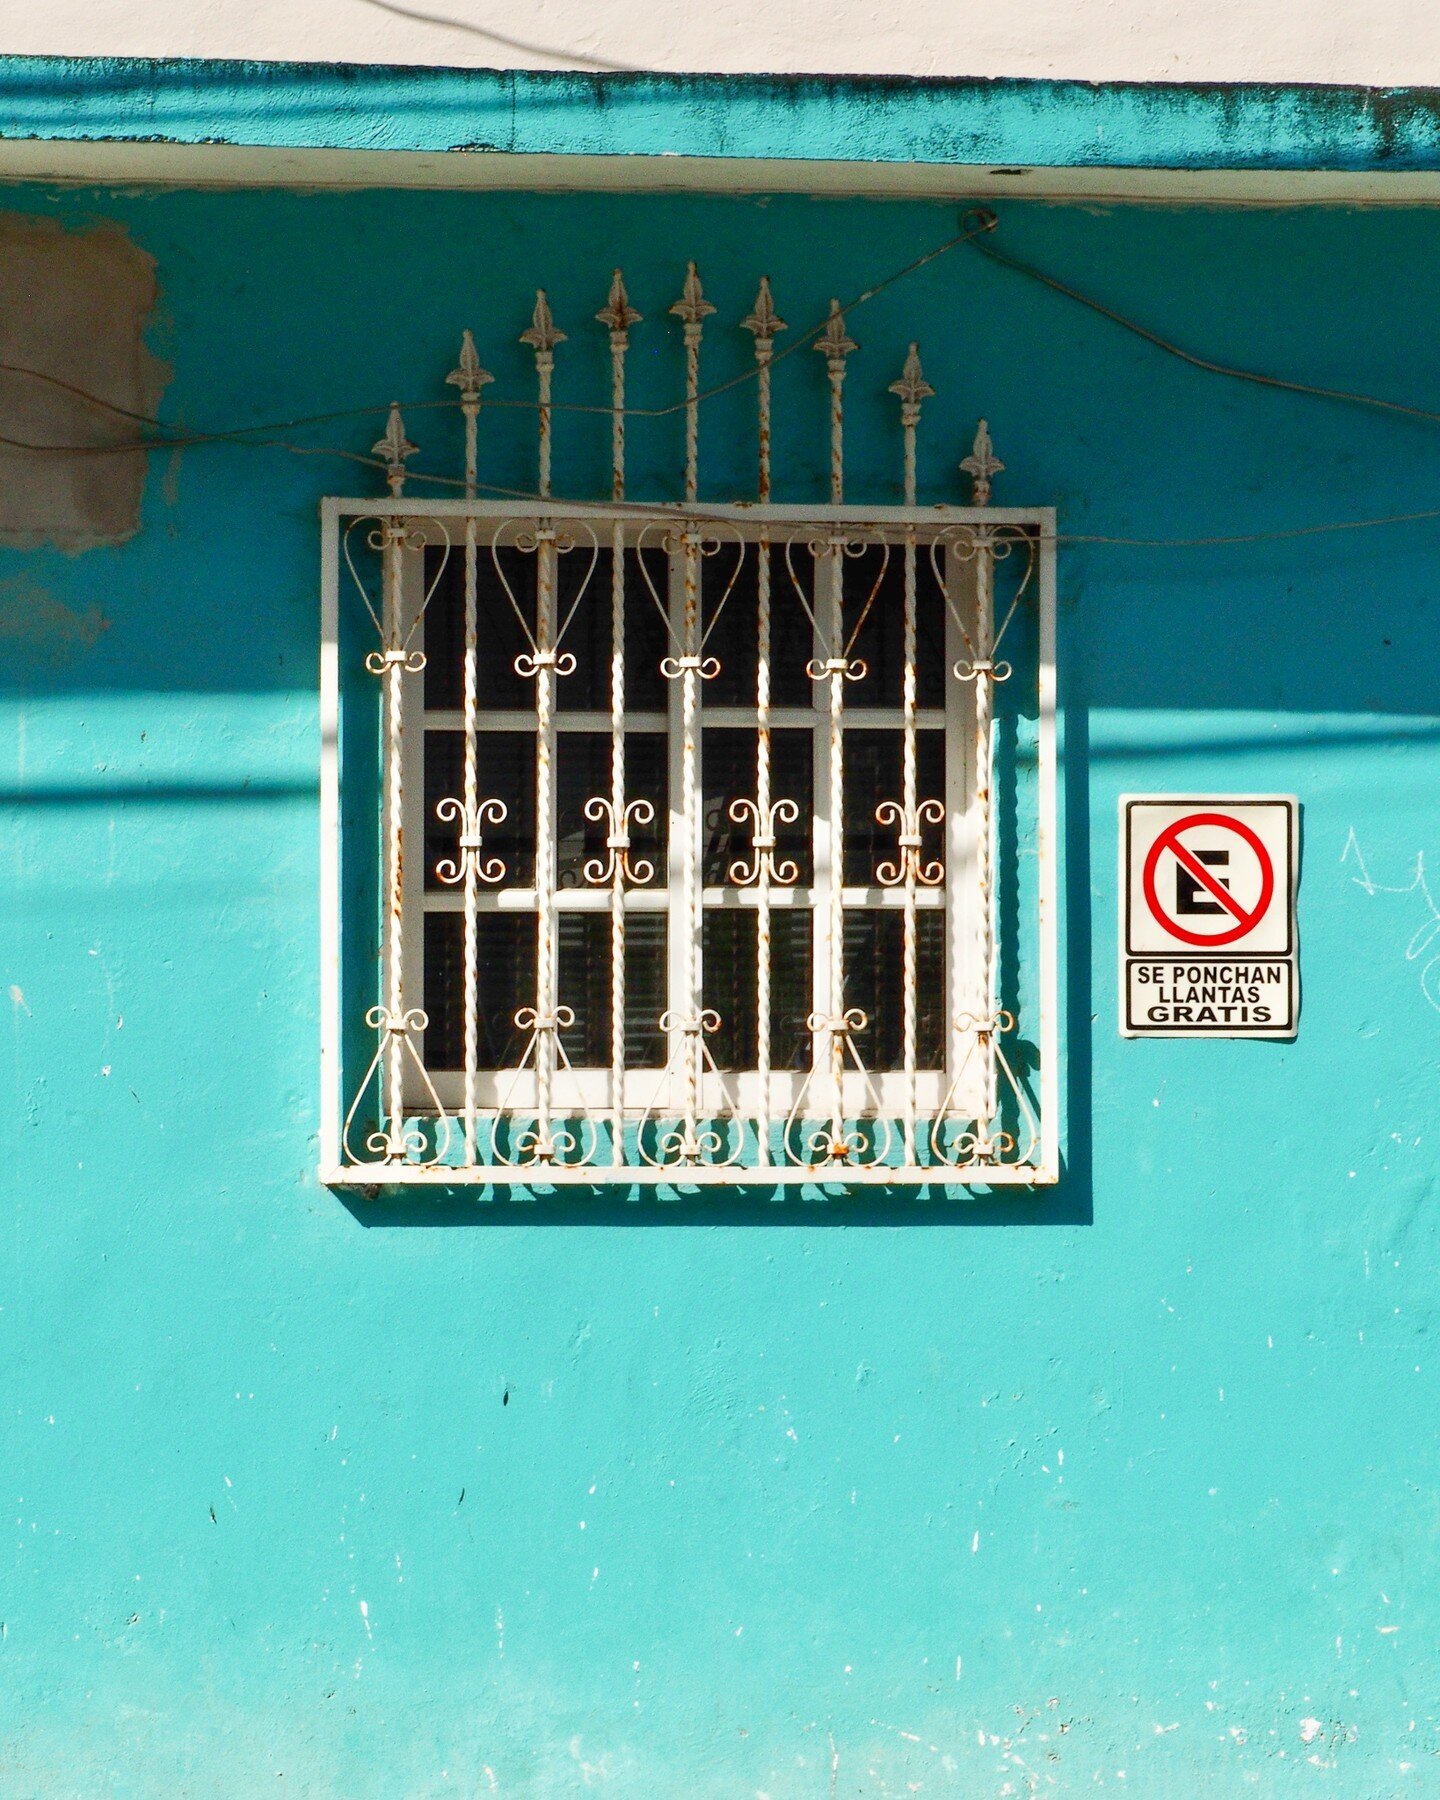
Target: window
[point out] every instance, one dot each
(683, 824)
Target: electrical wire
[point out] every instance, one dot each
(976, 225)
(1189, 356)
(984, 221)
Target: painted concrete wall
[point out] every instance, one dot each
(1131, 1487)
(1131, 40)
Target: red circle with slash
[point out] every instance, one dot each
(1169, 839)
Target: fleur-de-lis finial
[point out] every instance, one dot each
(468, 376)
(617, 313)
(763, 320)
(833, 343)
(543, 334)
(912, 387)
(395, 447)
(982, 464)
(692, 306)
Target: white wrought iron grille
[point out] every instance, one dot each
(715, 840)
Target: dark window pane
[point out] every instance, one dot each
(929, 630)
(444, 628)
(727, 758)
(505, 771)
(583, 971)
(732, 627)
(499, 635)
(588, 635)
(874, 981)
(505, 983)
(646, 989)
(875, 589)
(874, 773)
(730, 986)
(583, 773)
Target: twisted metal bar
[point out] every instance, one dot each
(764, 323)
(838, 672)
(983, 465)
(396, 666)
(470, 378)
(986, 1143)
(617, 315)
(689, 668)
(913, 390)
(835, 345)
(692, 308)
(542, 336)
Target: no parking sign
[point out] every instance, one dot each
(1207, 929)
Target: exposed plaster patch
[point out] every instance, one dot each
(73, 307)
(32, 619)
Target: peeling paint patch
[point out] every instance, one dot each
(75, 375)
(32, 619)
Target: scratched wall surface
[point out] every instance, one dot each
(1132, 1486)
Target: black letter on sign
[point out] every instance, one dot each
(1190, 897)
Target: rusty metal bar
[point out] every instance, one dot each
(765, 323)
(617, 315)
(912, 389)
(470, 378)
(392, 664)
(542, 335)
(692, 308)
(839, 1022)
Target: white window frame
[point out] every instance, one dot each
(969, 990)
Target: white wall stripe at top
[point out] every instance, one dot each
(1387, 43)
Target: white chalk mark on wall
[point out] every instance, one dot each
(1421, 942)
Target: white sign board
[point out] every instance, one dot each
(1207, 915)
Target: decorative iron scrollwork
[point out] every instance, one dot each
(451, 871)
(910, 842)
(763, 840)
(617, 861)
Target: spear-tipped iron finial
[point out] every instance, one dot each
(912, 387)
(467, 375)
(395, 447)
(833, 343)
(692, 306)
(982, 465)
(618, 314)
(763, 320)
(543, 334)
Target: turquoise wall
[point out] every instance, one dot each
(1131, 1486)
